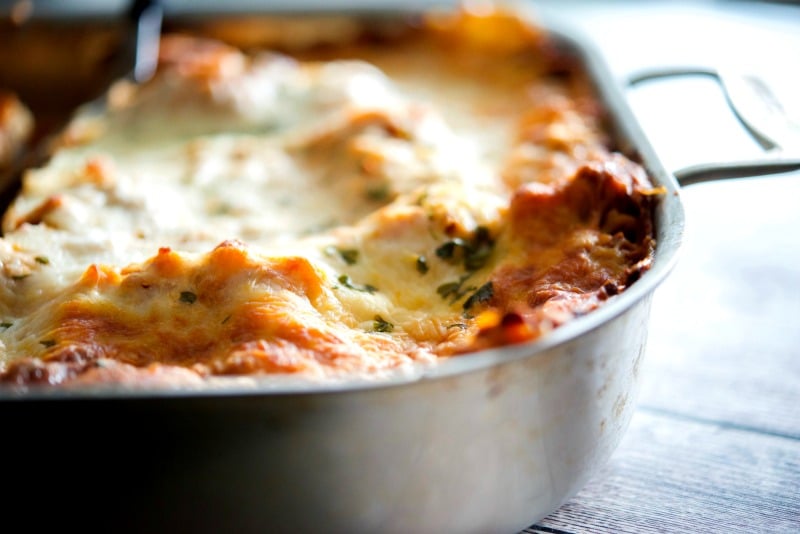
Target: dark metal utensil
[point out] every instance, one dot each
(144, 39)
(136, 61)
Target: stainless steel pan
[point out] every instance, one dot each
(488, 442)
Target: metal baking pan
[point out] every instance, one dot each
(487, 442)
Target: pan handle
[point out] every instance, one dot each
(759, 111)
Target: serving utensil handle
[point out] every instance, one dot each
(145, 18)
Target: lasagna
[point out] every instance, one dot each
(356, 208)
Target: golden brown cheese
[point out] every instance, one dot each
(349, 212)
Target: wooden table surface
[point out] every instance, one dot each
(714, 445)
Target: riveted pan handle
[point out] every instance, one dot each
(759, 111)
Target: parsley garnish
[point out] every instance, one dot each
(422, 265)
(482, 295)
(455, 290)
(378, 193)
(44, 260)
(6, 325)
(473, 253)
(188, 297)
(445, 290)
(447, 250)
(349, 255)
(47, 343)
(346, 282)
(382, 325)
(478, 249)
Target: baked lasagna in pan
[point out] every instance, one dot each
(355, 208)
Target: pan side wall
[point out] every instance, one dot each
(489, 450)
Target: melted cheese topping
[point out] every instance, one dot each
(370, 210)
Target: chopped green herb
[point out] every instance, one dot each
(349, 255)
(378, 193)
(455, 290)
(447, 250)
(445, 290)
(226, 319)
(479, 249)
(19, 276)
(346, 282)
(44, 260)
(482, 295)
(47, 343)
(381, 325)
(188, 297)
(474, 253)
(460, 326)
(473, 262)
(6, 325)
(462, 292)
(422, 265)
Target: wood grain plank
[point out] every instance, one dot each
(676, 476)
(725, 328)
